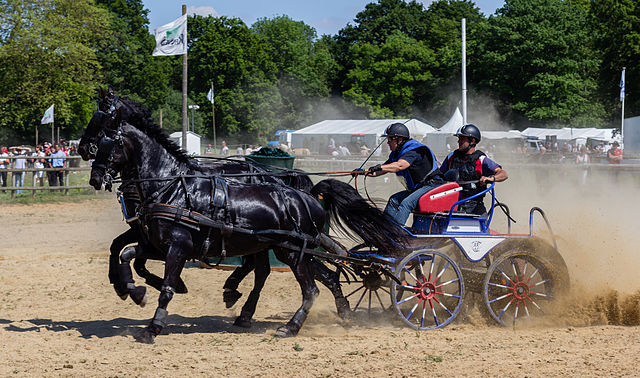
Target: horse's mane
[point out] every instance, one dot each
(139, 116)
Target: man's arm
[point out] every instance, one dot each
(391, 168)
(499, 175)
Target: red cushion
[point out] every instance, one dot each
(442, 203)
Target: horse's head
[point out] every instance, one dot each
(106, 117)
(110, 156)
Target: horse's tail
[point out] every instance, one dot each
(345, 206)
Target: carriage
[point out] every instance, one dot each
(186, 211)
(452, 254)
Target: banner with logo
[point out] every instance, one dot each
(171, 39)
(48, 116)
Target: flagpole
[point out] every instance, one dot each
(213, 118)
(185, 119)
(623, 98)
(464, 71)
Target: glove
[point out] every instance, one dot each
(375, 168)
(357, 171)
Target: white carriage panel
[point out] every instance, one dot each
(464, 225)
(477, 247)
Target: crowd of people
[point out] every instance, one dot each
(46, 155)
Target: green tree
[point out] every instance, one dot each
(536, 56)
(390, 79)
(303, 66)
(374, 25)
(443, 19)
(617, 36)
(247, 100)
(125, 55)
(172, 114)
(47, 57)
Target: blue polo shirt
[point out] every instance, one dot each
(58, 163)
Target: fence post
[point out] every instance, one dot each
(66, 180)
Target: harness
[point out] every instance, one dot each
(420, 172)
(222, 219)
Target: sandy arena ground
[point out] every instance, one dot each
(60, 317)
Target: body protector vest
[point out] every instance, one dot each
(420, 171)
(470, 169)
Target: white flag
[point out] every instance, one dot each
(210, 95)
(48, 116)
(622, 86)
(171, 39)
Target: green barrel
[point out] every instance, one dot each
(276, 161)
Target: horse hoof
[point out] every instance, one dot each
(230, 297)
(145, 337)
(243, 322)
(344, 310)
(284, 331)
(139, 295)
(124, 296)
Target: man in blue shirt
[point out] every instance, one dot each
(58, 162)
(472, 165)
(414, 164)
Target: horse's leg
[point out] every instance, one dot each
(115, 278)
(180, 246)
(331, 280)
(309, 292)
(262, 270)
(230, 295)
(138, 293)
(139, 264)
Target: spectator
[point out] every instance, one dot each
(239, 151)
(249, 150)
(4, 164)
(344, 151)
(582, 159)
(59, 162)
(331, 147)
(224, 151)
(38, 163)
(615, 154)
(18, 177)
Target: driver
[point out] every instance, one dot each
(414, 165)
(472, 165)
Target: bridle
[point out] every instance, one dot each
(102, 145)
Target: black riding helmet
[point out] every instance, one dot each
(398, 130)
(471, 131)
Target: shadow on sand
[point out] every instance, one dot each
(125, 327)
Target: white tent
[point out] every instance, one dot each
(511, 134)
(193, 141)
(367, 127)
(567, 134)
(453, 124)
(352, 132)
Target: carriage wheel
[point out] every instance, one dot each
(367, 290)
(520, 287)
(431, 292)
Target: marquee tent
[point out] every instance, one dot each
(453, 124)
(350, 133)
(567, 134)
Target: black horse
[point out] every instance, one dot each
(188, 213)
(120, 274)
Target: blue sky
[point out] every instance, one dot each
(327, 16)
